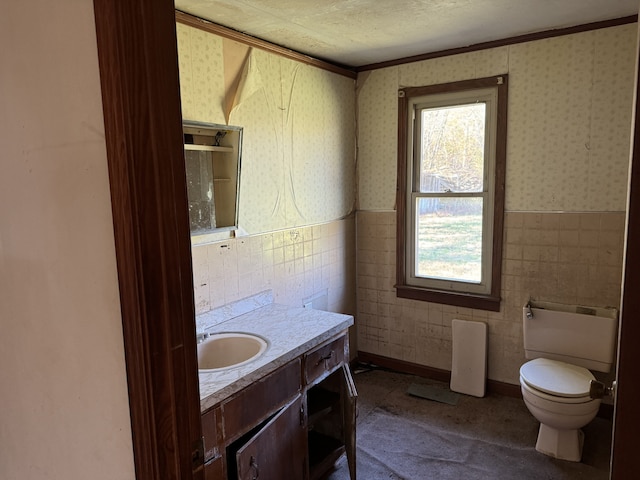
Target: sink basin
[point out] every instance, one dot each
(228, 350)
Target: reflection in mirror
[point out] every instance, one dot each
(212, 156)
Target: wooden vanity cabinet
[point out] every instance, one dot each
(278, 450)
(292, 424)
(324, 359)
(213, 445)
(259, 431)
(214, 470)
(251, 406)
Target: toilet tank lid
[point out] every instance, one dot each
(557, 378)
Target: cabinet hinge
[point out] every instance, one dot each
(302, 416)
(197, 454)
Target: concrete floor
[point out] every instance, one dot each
(410, 438)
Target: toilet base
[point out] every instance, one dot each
(561, 444)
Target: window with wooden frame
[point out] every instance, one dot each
(450, 205)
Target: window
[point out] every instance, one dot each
(451, 167)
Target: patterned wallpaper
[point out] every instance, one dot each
(298, 157)
(570, 101)
(201, 76)
(570, 104)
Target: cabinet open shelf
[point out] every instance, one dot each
(324, 451)
(331, 398)
(208, 148)
(321, 402)
(212, 156)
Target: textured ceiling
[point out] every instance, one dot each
(361, 32)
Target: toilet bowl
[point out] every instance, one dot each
(557, 395)
(563, 343)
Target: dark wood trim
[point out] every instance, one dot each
(504, 389)
(529, 37)
(139, 76)
(458, 86)
(466, 300)
(401, 366)
(404, 367)
(490, 302)
(624, 462)
(222, 31)
(499, 190)
(401, 186)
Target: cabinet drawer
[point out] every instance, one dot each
(256, 402)
(323, 359)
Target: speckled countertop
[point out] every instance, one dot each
(289, 331)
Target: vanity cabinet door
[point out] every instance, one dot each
(214, 470)
(260, 400)
(349, 413)
(278, 450)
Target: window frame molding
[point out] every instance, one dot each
(490, 301)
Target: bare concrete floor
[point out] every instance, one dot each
(409, 438)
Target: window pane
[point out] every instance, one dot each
(449, 238)
(452, 151)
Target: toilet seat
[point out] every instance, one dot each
(557, 379)
(557, 400)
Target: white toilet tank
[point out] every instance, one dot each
(584, 336)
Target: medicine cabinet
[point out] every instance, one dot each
(212, 155)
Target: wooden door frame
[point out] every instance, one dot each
(627, 414)
(137, 54)
(139, 76)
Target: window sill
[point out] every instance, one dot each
(468, 300)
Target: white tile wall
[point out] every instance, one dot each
(294, 264)
(572, 258)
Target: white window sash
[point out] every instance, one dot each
(489, 96)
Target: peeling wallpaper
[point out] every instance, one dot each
(569, 119)
(298, 157)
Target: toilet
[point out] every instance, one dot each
(563, 343)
